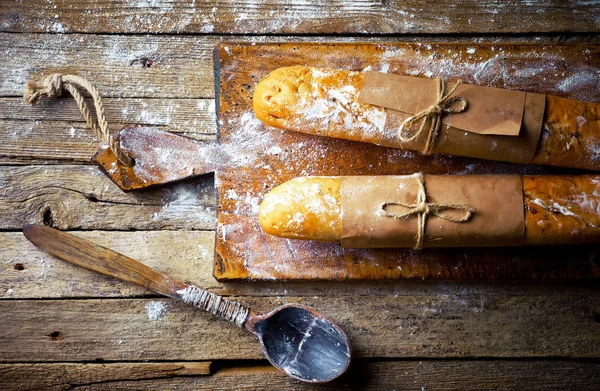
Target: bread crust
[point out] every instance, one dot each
(557, 209)
(561, 209)
(318, 101)
(325, 102)
(570, 134)
(304, 208)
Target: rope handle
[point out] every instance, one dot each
(226, 309)
(53, 85)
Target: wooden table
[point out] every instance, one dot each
(65, 328)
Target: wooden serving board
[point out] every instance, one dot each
(255, 158)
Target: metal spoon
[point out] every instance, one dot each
(296, 339)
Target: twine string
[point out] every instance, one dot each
(423, 209)
(53, 86)
(433, 115)
(215, 304)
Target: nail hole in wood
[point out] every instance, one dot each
(144, 62)
(47, 218)
(13, 16)
(55, 335)
(596, 318)
(19, 266)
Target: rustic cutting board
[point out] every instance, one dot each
(254, 158)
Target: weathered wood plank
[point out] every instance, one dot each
(55, 129)
(293, 17)
(243, 249)
(27, 272)
(82, 197)
(403, 326)
(492, 375)
(180, 66)
(190, 117)
(67, 376)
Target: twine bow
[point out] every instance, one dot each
(53, 86)
(433, 115)
(424, 209)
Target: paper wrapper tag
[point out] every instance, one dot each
(498, 124)
(498, 219)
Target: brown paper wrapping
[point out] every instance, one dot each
(498, 124)
(498, 219)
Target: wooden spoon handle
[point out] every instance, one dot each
(100, 259)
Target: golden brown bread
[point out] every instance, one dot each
(304, 208)
(318, 101)
(570, 134)
(562, 206)
(324, 102)
(557, 209)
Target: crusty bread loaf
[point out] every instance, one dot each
(570, 135)
(567, 207)
(325, 102)
(304, 208)
(557, 209)
(318, 101)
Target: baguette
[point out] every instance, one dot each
(325, 102)
(557, 209)
(304, 208)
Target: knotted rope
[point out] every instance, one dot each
(433, 115)
(220, 306)
(53, 86)
(424, 209)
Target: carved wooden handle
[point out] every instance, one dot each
(100, 259)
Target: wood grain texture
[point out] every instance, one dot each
(264, 157)
(292, 17)
(121, 66)
(57, 141)
(490, 375)
(67, 376)
(177, 71)
(403, 326)
(54, 130)
(28, 272)
(89, 255)
(180, 66)
(191, 117)
(82, 197)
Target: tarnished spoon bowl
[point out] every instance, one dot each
(302, 342)
(296, 339)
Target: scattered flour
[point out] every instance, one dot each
(231, 195)
(274, 150)
(156, 310)
(204, 253)
(328, 109)
(185, 204)
(555, 207)
(583, 83)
